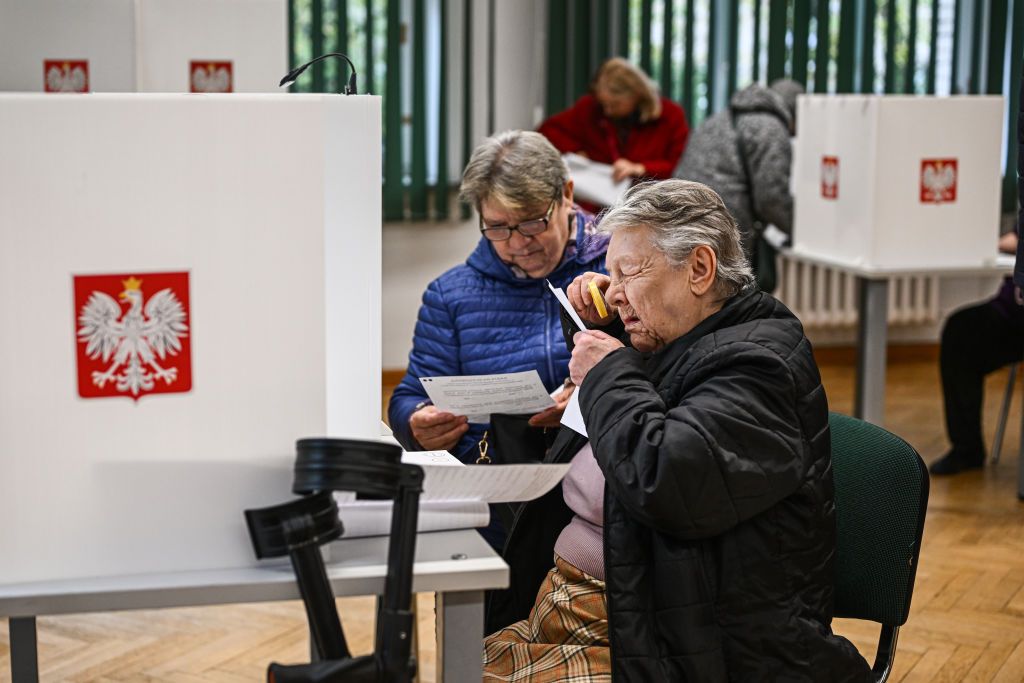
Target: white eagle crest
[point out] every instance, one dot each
(937, 178)
(66, 79)
(135, 339)
(213, 79)
(829, 174)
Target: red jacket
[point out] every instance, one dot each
(657, 144)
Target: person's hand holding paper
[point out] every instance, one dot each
(437, 430)
(585, 303)
(477, 397)
(580, 293)
(590, 349)
(552, 417)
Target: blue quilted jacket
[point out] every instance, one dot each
(479, 318)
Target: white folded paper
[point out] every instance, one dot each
(572, 416)
(592, 180)
(455, 496)
(564, 300)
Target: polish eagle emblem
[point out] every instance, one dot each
(210, 77)
(938, 180)
(66, 76)
(830, 177)
(132, 345)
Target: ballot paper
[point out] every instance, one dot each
(477, 396)
(592, 180)
(564, 300)
(455, 496)
(572, 416)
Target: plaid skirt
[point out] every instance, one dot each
(564, 639)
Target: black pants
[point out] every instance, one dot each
(976, 340)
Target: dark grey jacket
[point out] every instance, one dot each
(711, 157)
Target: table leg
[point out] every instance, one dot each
(24, 658)
(873, 326)
(460, 635)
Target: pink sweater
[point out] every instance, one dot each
(581, 542)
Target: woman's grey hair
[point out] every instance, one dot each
(682, 216)
(517, 169)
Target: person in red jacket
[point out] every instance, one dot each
(625, 122)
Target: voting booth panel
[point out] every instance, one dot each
(893, 181)
(67, 45)
(189, 284)
(212, 45)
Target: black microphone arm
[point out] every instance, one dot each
(294, 74)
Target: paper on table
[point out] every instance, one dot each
(592, 180)
(491, 483)
(572, 416)
(373, 517)
(455, 496)
(431, 458)
(564, 300)
(477, 396)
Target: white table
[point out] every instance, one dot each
(872, 326)
(458, 565)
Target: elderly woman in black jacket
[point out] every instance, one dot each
(695, 533)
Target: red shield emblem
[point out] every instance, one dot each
(66, 75)
(210, 76)
(938, 181)
(830, 177)
(132, 334)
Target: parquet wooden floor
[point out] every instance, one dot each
(967, 621)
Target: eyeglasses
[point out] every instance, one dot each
(501, 233)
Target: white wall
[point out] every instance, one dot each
(415, 254)
(519, 69)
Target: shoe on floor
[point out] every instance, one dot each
(955, 463)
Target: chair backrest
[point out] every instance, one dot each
(881, 496)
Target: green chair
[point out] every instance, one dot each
(881, 489)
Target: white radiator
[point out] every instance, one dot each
(826, 297)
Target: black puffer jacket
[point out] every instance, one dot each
(719, 519)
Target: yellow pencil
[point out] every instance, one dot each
(598, 298)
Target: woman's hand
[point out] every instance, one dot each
(590, 348)
(552, 417)
(578, 293)
(624, 168)
(1008, 243)
(437, 430)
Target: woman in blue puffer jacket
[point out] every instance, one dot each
(494, 313)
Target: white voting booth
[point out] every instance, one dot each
(98, 32)
(270, 205)
(897, 182)
(247, 38)
(143, 45)
(888, 188)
